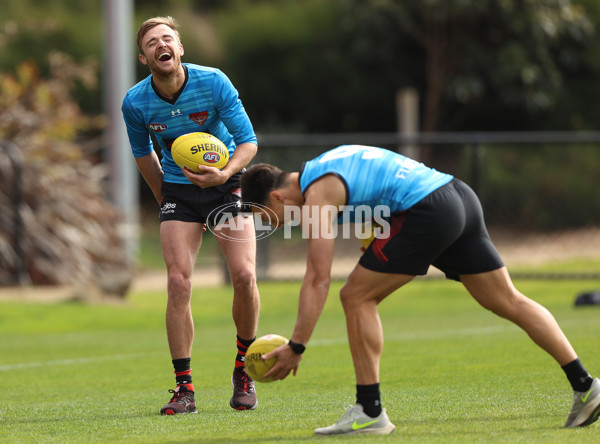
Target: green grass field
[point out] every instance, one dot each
(451, 372)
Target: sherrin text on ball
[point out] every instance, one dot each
(193, 149)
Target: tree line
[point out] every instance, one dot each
(335, 66)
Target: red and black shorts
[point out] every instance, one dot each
(446, 229)
(190, 203)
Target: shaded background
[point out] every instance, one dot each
(313, 67)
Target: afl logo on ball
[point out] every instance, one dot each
(211, 157)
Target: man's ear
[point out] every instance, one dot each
(181, 49)
(142, 59)
(276, 196)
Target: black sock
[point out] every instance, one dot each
(183, 372)
(578, 376)
(369, 397)
(242, 346)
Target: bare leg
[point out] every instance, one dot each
(239, 248)
(495, 291)
(180, 244)
(363, 291)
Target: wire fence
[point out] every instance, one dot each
(538, 190)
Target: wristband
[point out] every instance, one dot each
(296, 347)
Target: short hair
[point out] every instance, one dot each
(259, 180)
(155, 21)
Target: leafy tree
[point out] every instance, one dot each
(31, 29)
(578, 102)
(512, 53)
(478, 64)
(299, 66)
(335, 65)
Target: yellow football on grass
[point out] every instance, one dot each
(193, 149)
(255, 365)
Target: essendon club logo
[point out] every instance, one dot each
(199, 118)
(211, 157)
(157, 127)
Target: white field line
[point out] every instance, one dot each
(315, 343)
(72, 361)
(403, 337)
(442, 334)
(407, 337)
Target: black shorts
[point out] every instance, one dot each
(190, 203)
(446, 229)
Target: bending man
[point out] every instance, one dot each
(434, 219)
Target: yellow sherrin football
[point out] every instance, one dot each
(193, 149)
(255, 365)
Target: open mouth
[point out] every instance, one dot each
(164, 57)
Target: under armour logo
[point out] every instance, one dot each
(176, 113)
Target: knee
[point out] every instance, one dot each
(349, 297)
(244, 280)
(506, 305)
(179, 288)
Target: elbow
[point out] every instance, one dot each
(253, 149)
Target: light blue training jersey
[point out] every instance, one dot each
(375, 176)
(207, 102)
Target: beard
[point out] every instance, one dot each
(165, 71)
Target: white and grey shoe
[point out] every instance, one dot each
(356, 421)
(586, 406)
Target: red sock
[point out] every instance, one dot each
(183, 373)
(242, 346)
(186, 379)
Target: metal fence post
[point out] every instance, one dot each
(20, 273)
(476, 164)
(263, 259)
(225, 269)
